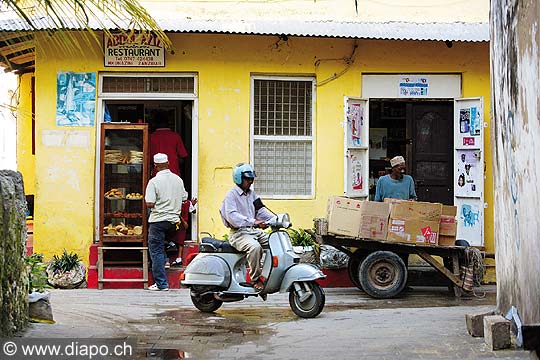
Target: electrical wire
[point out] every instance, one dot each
(349, 61)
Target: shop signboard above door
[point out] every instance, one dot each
(139, 49)
(413, 86)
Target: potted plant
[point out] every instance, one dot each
(304, 244)
(66, 271)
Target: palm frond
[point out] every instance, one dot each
(72, 25)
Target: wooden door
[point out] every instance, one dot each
(431, 149)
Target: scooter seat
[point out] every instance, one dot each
(210, 245)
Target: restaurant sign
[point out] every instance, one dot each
(144, 50)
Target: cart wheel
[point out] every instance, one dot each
(353, 267)
(383, 274)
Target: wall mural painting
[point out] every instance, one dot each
(75, 99)
(469, 173)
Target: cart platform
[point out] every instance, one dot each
(380, 267)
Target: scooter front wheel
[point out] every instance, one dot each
(307, 299)
(206, 303)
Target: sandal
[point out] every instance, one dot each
(258, 285)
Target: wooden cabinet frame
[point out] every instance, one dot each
(126, 163)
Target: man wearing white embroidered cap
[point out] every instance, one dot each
(396, 185)
(164, 196)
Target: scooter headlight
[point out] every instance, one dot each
(284, 220)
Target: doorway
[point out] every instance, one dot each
(422, 132)
(178, 116)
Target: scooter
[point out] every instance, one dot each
(218, 274)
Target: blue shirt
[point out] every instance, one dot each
(396, 189)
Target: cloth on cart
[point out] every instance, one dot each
(332, 258)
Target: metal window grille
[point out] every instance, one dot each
(282, 107)
(283, 167)
(126, 84)
(282, 130)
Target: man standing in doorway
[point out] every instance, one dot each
(164, 196)
(164, 140)
(396, 185)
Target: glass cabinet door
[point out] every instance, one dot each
(123, 181)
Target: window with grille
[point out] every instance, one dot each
(282, 136)
(154, 84)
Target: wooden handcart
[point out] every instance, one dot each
(380, 267)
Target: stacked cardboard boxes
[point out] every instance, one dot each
(414, 222)
(411, 222)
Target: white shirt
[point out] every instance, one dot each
(237, 210)
(166, 190)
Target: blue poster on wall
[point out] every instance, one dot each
(475, 122)
(75, 99)
(470, 221)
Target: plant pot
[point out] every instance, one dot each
(67, 280)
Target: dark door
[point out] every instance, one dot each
(430, 150)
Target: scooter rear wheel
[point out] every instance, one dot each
(206, 303)
(310, 307)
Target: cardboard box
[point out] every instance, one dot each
(344, 216)
(357, 218)
(374, 220)
(416, 210)
(447, 240)
(448, 225)
(414, 222)
(413, 231)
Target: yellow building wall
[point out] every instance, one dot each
(25, 159)
(224, 64)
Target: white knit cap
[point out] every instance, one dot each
(160, 158)
(397, 160)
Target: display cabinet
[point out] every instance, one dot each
(123, 178)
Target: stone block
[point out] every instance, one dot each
(496, 332)
(475, 323)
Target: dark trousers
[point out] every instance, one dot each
(157, 235)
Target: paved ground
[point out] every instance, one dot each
(426, 323)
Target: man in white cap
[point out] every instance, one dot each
(396, 185)
(164, 196)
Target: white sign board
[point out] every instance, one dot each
(142, 50)
(411, 86)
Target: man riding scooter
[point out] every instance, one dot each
(218, 273)
(246, 221)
